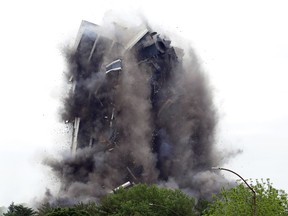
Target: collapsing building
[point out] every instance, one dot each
(152, 54)
(139, 114)
(103, 54)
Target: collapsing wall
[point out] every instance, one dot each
(140, 113)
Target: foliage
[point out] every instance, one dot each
(90, 208)
(44, 209)
(138, 200)
(154, 201)
(202, 204)
(80, 209)
(239, 201)
(67, 212)
(19, 210)
(147, 200)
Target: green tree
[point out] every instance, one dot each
(19, 210)
(81, 209)
(201, 205)
(238, 201)
(90, 208)
(67, 212)
(44, 209)
(147, 200)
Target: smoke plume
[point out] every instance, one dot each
(153, 121)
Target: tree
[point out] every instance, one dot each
(147, 200)
(138, 200)
(80, 209)
(44, 209)
(67, 212)
(202, 204)
(238, 201)
(19, 210)
(91, 208)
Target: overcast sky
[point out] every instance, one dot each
(243, 48)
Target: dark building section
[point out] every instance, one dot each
(100, 61)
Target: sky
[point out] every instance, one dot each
(242, 47)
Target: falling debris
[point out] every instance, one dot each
(125, 185)
(141, 111)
